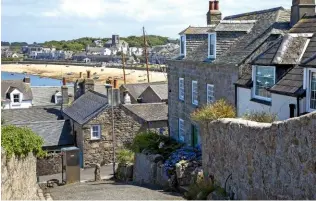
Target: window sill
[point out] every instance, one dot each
(264, 102)
(95, 139)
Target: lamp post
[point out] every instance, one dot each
(109, 86)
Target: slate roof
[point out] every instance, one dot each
(54, 133)
(43, 95)
(197, 30)
(161, 90)
(135, 90)
(309, 57)
(306, 25)
(149, 112)
(26, 115)
(235, 26)
(18, 84)
(86, 107)
(291, 84)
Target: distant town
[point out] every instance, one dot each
(95, 50)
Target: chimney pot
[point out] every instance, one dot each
(216, 5)
(211, 5)
(88, 73)
(115, 84)
(64, 81)
(80, 75)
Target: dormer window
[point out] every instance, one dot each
(212, 46)
(263, 78)
(16, 98)
(58, 98)
(182, 45)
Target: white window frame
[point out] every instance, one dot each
(181, 89)
(184, 45)
(99, 132)
(307, 85)
(209, 45)
(19, 98)
(195, 101)
(181, 132)
(209, 95)
(253, 91)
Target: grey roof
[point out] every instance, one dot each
(291, 84)
(54, 133)
(26, 115)
(135, 90)
(235, 25)
(306, 25)
(18, 84)
(160, 89)
(197, 30)
(43, 95)
(149, 111)
(86, 107)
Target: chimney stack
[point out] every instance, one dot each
(300, 8)
(27, 80)
(115, 84)
(214, 15)
(64, 93)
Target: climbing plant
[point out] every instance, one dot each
(20, 141)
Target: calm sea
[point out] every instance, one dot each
(35, 80)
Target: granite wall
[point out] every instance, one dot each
(221, 76)
(261, 160)
(18, 178)
(52, 164)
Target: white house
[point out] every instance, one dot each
(16, 94)
(282, 80)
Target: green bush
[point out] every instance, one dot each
(264, 117)
(217, 110)
(125, 156)
(199, 191)
(21, 141)
(151, 141)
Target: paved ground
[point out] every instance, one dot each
(109, 190)
(85, 174)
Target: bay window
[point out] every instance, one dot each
(263, 78)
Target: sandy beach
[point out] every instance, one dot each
(72, 72)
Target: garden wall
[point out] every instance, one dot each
(18, 178)
(52, 164)
(265, 161)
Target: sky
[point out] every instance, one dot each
(43, 20)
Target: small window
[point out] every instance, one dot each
(181, 130)
(181, 89)
(313, 91)
(195, 93)
(182, 45)
(210, 94)
(95, 132)
(16, 98)
(212, 46)
(263, 79)
(58, 99)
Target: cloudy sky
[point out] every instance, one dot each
(42, 20)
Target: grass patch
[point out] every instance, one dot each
(263, 117)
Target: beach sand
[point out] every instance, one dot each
(59, 71)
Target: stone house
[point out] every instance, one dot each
(155, 94)
(91, 118)
(211, 60)
(275, 82)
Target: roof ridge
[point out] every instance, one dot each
(255, 12)
(36, 122)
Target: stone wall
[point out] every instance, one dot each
(261, 160)
(221, 76)
(101, 151)
(18, 178)
(52, 164)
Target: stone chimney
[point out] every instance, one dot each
(64, 92)
(27, 80)
(116, 92)
(300, 8)
(214, 15)
(82, 85)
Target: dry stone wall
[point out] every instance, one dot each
(260, 160)
(18, 178)
(52, 164)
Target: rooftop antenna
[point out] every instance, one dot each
(146, 56)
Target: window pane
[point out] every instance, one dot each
(313, 91)
(182, 44)
(16, 98)
(211, 45)
(264, 79)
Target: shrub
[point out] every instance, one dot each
(264, 117)
(152, 142)
(21, 141)
(199, 191)
(125, 156)
(217, 110)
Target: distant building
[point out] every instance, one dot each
(117, 44)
